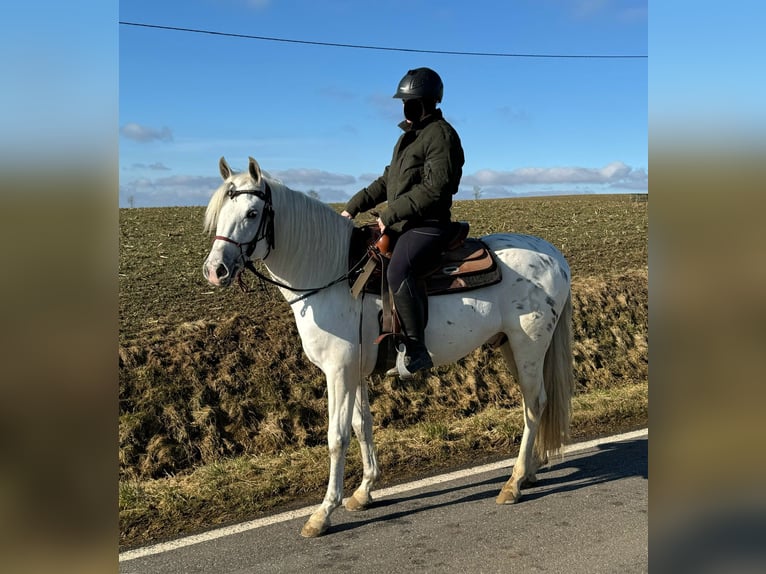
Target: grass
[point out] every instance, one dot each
(222, 418)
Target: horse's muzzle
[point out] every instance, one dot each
(218, 275)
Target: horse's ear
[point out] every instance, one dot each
(225, 169)
(255, 170)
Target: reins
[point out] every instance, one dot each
(307, 292)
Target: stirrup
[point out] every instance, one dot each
(406, 367)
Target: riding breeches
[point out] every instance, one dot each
(414, 253)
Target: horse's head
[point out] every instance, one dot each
(241, 215)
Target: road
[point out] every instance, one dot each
(587, 513)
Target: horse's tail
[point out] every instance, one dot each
(558, 376)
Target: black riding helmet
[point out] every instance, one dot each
(421, 83)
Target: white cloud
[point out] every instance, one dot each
(313, 177)
(183, 190)
(613, 178)
(333, 195)
(156, 166)
(144, 134)
(637, 179)
(180, 190)
(610, 173)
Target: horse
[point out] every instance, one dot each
(304, 245)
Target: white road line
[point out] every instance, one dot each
(378, 494)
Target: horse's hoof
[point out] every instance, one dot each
(354, 505)
(507, 497)
(311, 530)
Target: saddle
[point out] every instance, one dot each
(467, 263)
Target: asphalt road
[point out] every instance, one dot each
(587, 513)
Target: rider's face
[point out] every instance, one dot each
(413, 110)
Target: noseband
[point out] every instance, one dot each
(265, 227)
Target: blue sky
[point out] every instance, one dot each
(322, 118)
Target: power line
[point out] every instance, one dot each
(384, 48)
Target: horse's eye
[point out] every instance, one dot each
(252, 214)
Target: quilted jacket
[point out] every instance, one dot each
(423, 175)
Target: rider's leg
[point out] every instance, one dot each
(414, 253)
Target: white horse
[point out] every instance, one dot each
(304, 244)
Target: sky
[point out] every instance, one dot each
(322, 118)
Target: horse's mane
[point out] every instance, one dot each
(214, 208)
(318, 238)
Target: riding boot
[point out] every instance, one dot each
(410, 302)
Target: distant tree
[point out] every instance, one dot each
(313, 194)
(476, 192)
(131, 201)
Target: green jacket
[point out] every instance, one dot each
(423, 175)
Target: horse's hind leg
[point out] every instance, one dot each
(530, 376)
(362, 423)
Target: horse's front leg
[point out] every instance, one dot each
(341, 394)
(362, 423)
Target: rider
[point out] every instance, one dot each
(418, 185)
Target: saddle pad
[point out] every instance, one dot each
(470, 266)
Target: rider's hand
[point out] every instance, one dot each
(347, 215)
(381, 225)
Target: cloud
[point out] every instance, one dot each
(585, 8)
(610, 173)
(627, 12)
(156, 166)
(190, 190)
(333, 195)
(612, 178)
(338, 94)
(175, 190)
(313, 177)
(634, 14)
(144, 134)
(512, 114)
(637, 179)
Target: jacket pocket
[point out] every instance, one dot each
(408, 176)
(427, 174)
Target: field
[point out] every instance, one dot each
(222, 418)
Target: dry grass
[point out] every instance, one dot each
(223, 418)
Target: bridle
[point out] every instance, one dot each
(265, 226)
(266, 231)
